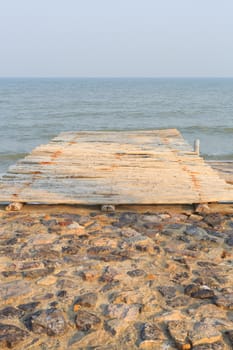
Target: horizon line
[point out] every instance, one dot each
(116, 77)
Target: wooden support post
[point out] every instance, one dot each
(197, 146)
(108, 208)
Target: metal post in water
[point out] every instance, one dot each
(197, 146)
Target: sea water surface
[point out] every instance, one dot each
(33, 110)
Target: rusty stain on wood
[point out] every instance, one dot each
(127, 167)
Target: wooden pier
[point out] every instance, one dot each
(128, 167)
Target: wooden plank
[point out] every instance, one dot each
(138, 167)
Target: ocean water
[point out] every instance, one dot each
(34, 110)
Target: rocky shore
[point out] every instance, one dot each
(137, 279)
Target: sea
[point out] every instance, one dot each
(34, 110)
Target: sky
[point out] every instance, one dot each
(116, 38)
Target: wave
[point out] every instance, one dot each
(11, 156)
(209, 129)
(226, 156)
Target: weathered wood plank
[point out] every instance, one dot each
(138, 167)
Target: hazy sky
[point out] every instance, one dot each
(116, 38)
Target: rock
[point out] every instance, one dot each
(14, 289)
(178, 301)
(123, 311)
(47, 281)
(204, 332)
(89, 275)
(127, 297)
(151, 332)
(230, 337)
(107, 254)
(214, 346)
(11, 335)
(15, 206)
(136, 273)
(199, 292)
(214, 219)
(197, 232)
(229, 240)
(195, 218)
(225, 301)
(167, 291)
(204, 292)
(85, 320)
(127, 218)
(50, 322)
(154, 219)
(108, 208)
(108, 274)
(87, 300)
(179, 331)
(114, 326)
(202, 208)
(110, 286)
(37, 273)
(42, 239)
(207, 311)
(70, 250)
(10, 312)
(29, 307)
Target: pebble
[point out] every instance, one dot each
(85, 320)
(86, 300)
(225, 301)
(122, 311)
(50, 322)
(179, 331)
(203, 332)
(11, 335)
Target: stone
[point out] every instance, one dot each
(50, 322)
(213, 346)
(108, 208)
(178, 301)
(10, 312)
(230, 337)
(204, 332)
(15, 288)
(42, 239)
(167, 291)
(225, 301)
(229, 240)
(179, 330)
(15, 206)
(47, 281)
(114, 326)
(29, 307)
(136, 273)
(203, 292)
(202, 208)
(30, 274)
(108, 274)
(85, 320)
(195, 217)
(86, 300)
(151, 218)
(123, 311)
(213, 219)
(11, 335)
(197, 232)
(152, 332)
(198, 291)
